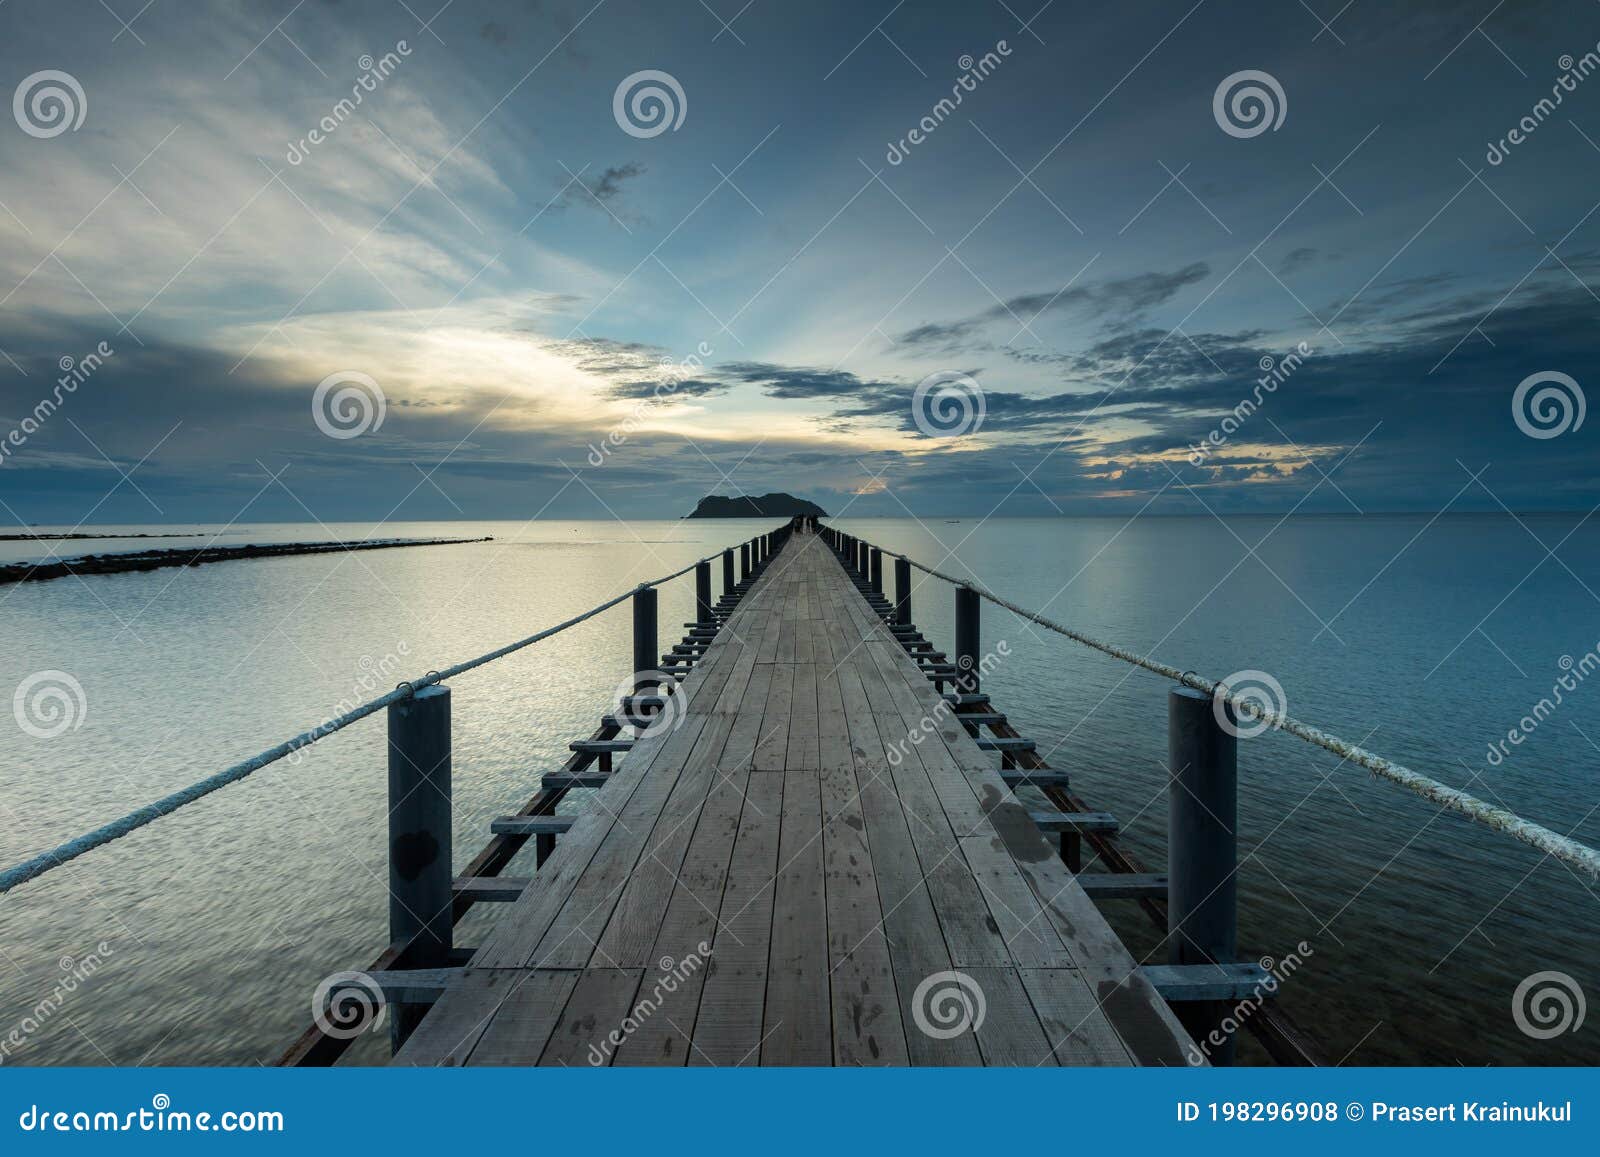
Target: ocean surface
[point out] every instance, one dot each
(1425, 639)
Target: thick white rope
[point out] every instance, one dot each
(1499, 819)
(38, 865)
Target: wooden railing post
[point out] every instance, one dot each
(966, 680)
(1202, 850)
(702, 592)
(646, 651)
(861, 559)
(727, 573)
(877, 570)
(902, 592)
(744, 561)
(419, 839)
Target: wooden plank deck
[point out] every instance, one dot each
(831, 866)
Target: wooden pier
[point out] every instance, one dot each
(806, 858)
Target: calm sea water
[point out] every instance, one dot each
(1423, 640)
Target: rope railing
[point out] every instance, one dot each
(1498, 819)
(38, 865)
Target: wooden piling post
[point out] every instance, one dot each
(702, 592)
(877, 570)
(646, 651)
(727, 573)
(902, 592)
(966, 660)
(1202, 842)
(419, 839)
(744, 561)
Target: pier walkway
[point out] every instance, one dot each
(776, 874)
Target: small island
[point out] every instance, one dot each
(766, 506)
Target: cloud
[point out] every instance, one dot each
(1124, 298)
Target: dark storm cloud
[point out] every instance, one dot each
(664, 389)
(797, 382)
(1122, 297)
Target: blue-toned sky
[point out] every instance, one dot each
(554, 315)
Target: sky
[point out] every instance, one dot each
(498, 286)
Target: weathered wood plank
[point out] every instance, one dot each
(796, 1027)
(600, 1005)
(525, 1018)
(727, 1030)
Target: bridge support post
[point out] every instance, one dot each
(877, 570)
(861, 559)
(702, 592)
(966, 680)
(419, 839)
(646, 651)
(744, 561)
(1202, 823)
(902, 592)
(727, 573)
